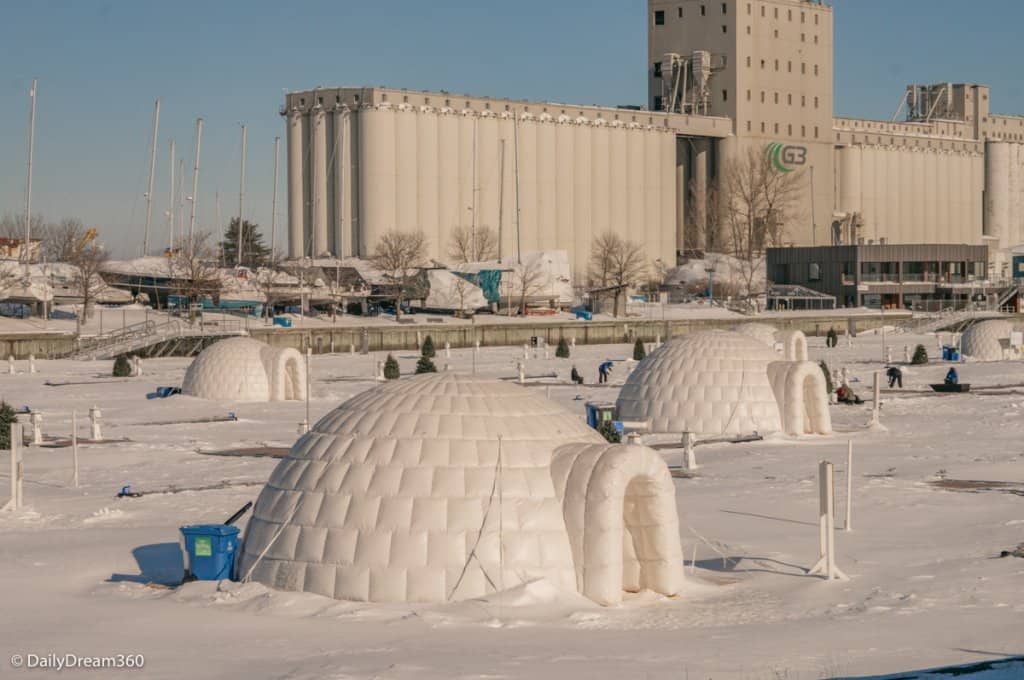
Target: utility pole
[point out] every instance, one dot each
(152, 172)
(27, 250)
(501, 195)
(273, 202)
(240, 244)
(195, 189)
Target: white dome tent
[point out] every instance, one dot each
(396, 495)
(762, 332)
(987, 340)
(246, 370)
(709, 383)
(802, 394)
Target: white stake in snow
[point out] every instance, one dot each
(95, 416)
(447, 349)
(826, 565)
(876, 402)
(906, 354)
(74, 443)
(849, 339)
(17, 469)
(522, 372)
(572, 341)
(691, 457)
(380, 371)
(351, 349)
(657, 340)
(888, 355)
(32, 363)
(10, 364)
(37, 428)
(526, 351)
(849, 486)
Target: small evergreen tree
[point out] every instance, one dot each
(920, 356)
(562, 351)
(7, 418)
(425, 365)
(829, 387)
(608, 431)
(122, 366)
(428, 348)
(639, 353)
(391, 370)
(832, 339)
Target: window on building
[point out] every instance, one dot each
(803, 131)
(803, 68)
(814, 271)
(750, 8)
(789, 99)
(748, 62)
(815, 40)
(776, 33)
(762, 127)
(815, 69)
(815, 19)
(803, 101)
(815, 102)
(790, 15)
(748, 126)
(776, 97)
(776, 128)
(789, 67)
(803, 17)
(680, 12)
(659, 18)
(789, 130)
(762, 14)
(748, 30)
(658, 104)
(762, 63)
(776, 64)
(725, 95)
(748, 95)
(725, 8)
(725, 29)
(776, 12)
(803, 37)
(657, 69)
(703, 10)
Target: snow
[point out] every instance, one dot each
(81, 571)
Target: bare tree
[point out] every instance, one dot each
(70, 242)
(617, 263)
(525, 281)
(400, 256)
(758, 201)
(473, 244)
(193, 268)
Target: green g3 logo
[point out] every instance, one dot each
(786, 158)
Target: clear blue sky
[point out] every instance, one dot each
(101, 65)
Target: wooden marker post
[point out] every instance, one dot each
(826, 565)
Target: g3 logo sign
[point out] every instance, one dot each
(787, 158)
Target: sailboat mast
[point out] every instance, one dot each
(27, 250)
(220, 229)
(273, 202)
(195, 189)
(171, 207)
(501, 196)
(152, 173)
(181, 200)
(240, 244)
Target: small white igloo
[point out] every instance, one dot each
(709, 383)
(450, 487)
(987, 340)
(246, 370)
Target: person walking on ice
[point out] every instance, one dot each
(895, 376)
(603, 370)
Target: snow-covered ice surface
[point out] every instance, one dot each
(83, 572)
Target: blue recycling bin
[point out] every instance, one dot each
(947, 352)
(210, 551)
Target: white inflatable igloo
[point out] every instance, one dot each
(759, 331)
(984, 341)
(396, 495)
(246, 370)
(802, 395)
(709, 383)
(794, 345)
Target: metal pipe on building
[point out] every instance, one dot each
(296, 197)
(319, 176)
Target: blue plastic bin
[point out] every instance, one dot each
(947, 352)
(210, 551)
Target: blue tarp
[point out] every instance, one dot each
(488, 280)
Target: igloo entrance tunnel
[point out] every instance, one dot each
(449, 487)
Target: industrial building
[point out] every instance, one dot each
(723, 76)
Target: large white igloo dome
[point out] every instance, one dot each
(391, 496)
(709, 383)
(983, 341)
(246, 370)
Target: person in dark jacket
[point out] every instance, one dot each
(895, 377)
(845, 395)
(603, 370)
(576, 377)
(952, 378)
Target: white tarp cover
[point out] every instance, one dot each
(802, 394)
(984, 340)
(246, 370)
(549, 272)
(395, 496)
(709, 383)
(449, 291)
